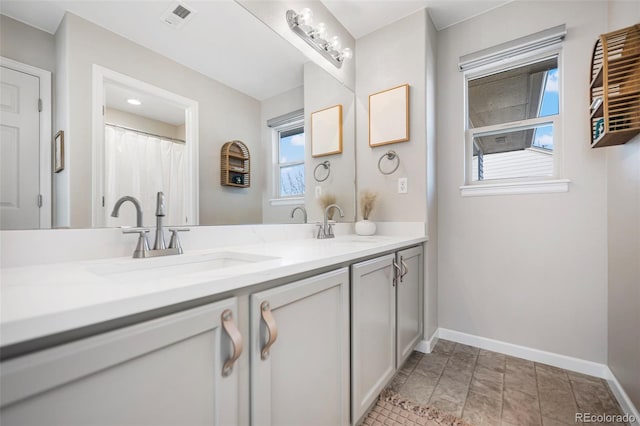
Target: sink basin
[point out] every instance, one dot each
(172, 266)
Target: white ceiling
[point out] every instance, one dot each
(361, 17)
(224, 41)
(151, 106)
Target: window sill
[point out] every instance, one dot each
(513, 188)
(287, 201)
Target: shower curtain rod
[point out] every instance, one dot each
(144, 133)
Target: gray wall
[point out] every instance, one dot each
(400, 53)
(389, 57)
(623, 232)
(525, 269)
(27, 44)
(144, 124)
(431, 248)
(225, 114)
(321, 91)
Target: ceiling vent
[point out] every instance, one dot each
(177, 14)
(501, 139)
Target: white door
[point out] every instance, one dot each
(301, 377)
(409, 302)
(19, 150)
(373, 331)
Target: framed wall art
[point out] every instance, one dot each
(326, 131)
(389, 116)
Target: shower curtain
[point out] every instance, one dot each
(141, 165)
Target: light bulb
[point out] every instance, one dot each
(320, 31)
(134, 101)
(347, 53)
(305, 17)
(334, 43)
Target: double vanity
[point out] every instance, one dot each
(271, 326)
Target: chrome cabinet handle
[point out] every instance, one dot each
(405, 268)
(236, 340)
(396, 270)
(270, 322)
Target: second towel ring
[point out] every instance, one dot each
(327, 166)
(390, 155)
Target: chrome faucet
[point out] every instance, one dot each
(136, 203)
(161, 212)
(326, 229)
(303, 210)
(159, 248)
(143, 243)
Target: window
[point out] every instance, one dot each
(513, 114)
(289, 153)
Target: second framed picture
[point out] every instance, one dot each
(326, 131)
(389, 116)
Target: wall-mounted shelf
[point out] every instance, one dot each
(235, 165)
(615, 87)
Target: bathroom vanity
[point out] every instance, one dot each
(270, 331)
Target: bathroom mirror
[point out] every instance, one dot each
(237, 70)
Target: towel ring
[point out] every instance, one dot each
(327, 166)
(390, 155)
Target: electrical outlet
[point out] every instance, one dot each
(318, 191)
(402, 186)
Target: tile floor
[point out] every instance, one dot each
(488, 388)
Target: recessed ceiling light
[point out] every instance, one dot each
(133, 101)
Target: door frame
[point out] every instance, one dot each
(100, 75)
(45, 117)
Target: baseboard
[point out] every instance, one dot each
(623, 399)
(562, 361)
(426, 346)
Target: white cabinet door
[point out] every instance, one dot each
(167, 371)
(409, 302)
(301, 377)
(373, 335)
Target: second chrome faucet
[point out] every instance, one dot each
(159, 247)
(325, 229)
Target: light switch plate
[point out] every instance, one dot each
(402, 186)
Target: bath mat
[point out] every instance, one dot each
(393, 410)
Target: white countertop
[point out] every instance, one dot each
(40, 300)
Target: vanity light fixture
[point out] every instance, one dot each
(134, 101)
(316, 36)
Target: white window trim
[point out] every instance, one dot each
(290, 201)
(524, 185)
(277, 200)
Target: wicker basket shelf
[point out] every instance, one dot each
(235, 165)
(615, 87)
